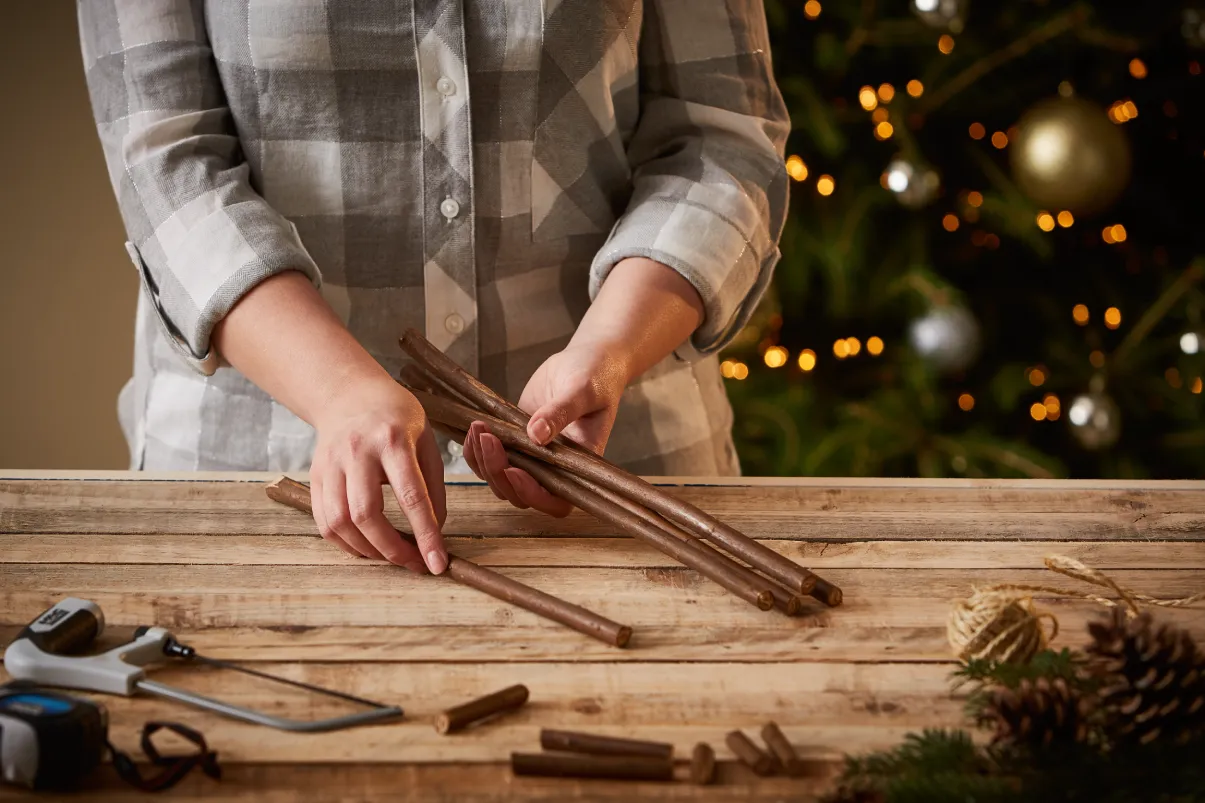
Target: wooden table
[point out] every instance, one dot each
(241, 578)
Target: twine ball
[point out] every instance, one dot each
(997, 625)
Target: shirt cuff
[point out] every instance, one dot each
(708, 250)
(186, 323)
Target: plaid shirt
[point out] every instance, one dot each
(472, 168)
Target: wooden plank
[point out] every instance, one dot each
(314, 611)
(792, 513)
(825, 708)
(619, 552)
(449, 783)
(916, 637)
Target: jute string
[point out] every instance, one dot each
(1000, 622)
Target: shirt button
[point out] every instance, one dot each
(446, 86)
(454, 323)
(449, 208)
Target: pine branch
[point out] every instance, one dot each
(1155, 313)
(1053, 28)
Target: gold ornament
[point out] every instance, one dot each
(1068, 155)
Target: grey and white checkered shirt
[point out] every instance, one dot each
(472, 168)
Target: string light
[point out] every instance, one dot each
(1066, 219)
(1066, 90)
(915, 88)
(740, 371)
(726, 369)
(1172, 375)
(874, 346)
(868, 98)
(1194, 68)
(1053, 407)
(796, 168)
(807, 359)
(841, 349)
(1045, 221)
(945, 44)
(1112, 317)
(950, 222)
(854, 345)
(1000, 140)
(1190, 343)
(1123, 111)
(811, 9)
(966, 402)
(979, 237)
(1080, 313)
(1113, 234)
(883, 130)
(775, 357)
(993, 241)
(886, 92)
(1038, 411)
(1196, 385)
(825, 185)
(977, 131)
(880, 114)
(1137, 68)
(1036, 377)
(975, 199)
(1097, 358)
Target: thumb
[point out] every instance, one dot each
(557, 413)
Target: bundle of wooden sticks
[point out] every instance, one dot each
(454, 399)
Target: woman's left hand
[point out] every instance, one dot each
(575, 392)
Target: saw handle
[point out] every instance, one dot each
(69, 627)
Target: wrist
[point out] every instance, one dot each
(352, 388)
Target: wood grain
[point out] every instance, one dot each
(240, 578)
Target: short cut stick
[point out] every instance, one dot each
(766, 560)
(297, 496)
(474, 711)
(750, 754)
(568, 765)
(594, 744)
(782, 748)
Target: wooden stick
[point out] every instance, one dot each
(297, 496)
(474, 711)
(702, 764)
(750, 754)
(591, 466)
(782, 749)
(593, 744)
(568, 765)
(415, 377)
(714, 568)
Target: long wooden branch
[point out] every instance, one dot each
(511, 422)
(297, 496)
(713, 566)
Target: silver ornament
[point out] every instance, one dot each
(914, 185)
(946, 337)
(949, 14)
(1095, 420)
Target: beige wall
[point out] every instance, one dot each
(67, 290)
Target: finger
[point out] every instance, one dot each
(536, 495)
(338, 516)
(320, 517)
(496, 465)
(366, 505)
(561, 411)
(432, 465)
(406, 480)
(479, 453)
(472, 454)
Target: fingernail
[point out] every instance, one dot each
(541, 431)
(436, 561)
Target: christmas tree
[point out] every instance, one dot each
(992, 261)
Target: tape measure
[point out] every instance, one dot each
(49, 740)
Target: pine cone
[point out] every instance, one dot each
(1152, 680)
(1038, 713)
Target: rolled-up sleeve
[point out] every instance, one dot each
(709, 183)
(199, 234)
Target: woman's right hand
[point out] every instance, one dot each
(375, 433)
